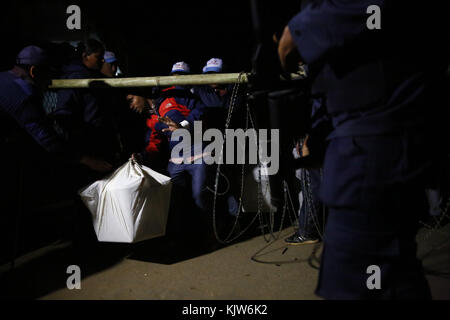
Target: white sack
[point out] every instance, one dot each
(130, 205)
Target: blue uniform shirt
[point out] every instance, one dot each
(376, 81)
(86, 115)
(20, 101)
(84, 104)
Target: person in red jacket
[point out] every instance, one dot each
(172, 104)
(157, 143)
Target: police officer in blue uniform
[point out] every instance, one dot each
(28, 142)
(83, 114)
(213, 113)
(383, 93)
(21, 107)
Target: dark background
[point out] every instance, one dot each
(147, 36)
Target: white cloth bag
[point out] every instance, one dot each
(130, 205)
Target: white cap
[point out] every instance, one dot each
(180, 67)
(213, 65)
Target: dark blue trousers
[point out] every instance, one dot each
(373, 187)
(311, 216)
(199, 178)
(192, 177)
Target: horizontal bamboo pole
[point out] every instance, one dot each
(179, 80)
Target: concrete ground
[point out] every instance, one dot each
(161, 269)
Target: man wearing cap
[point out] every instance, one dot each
(214, 95)
(183, 95)
(211, 95)
(215, 100)
(21, 106)
(110, 67)
(25, 132)
(85, 115)
(122, 121)
(173, 107)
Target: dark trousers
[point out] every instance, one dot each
(199, 179)
(311, 216)
(192, 177)
(191, 201)
(373, 187)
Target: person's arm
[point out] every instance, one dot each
(154, 137)
(153, 141)
(323, 26)
(140, 104)
(32, 119)
(176, 116)
(195, 115)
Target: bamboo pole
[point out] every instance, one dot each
(178, 80)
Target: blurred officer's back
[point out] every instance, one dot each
(384, 94)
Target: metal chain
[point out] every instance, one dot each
(431, 229)
(240, 197)
(259, 213)
(272, 212)
(216, 181)
(285, 208)
(295, 220)
(226, 190)
(227, 124)
(259, 188)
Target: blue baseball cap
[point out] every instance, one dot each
(32, 55)
(213, 65)
(109, 56)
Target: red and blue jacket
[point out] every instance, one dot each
(175, 103)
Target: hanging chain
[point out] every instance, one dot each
(259, 214)
(438, 223)
(272, 212)
(216, 184)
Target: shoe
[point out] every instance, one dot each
(296, 239)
